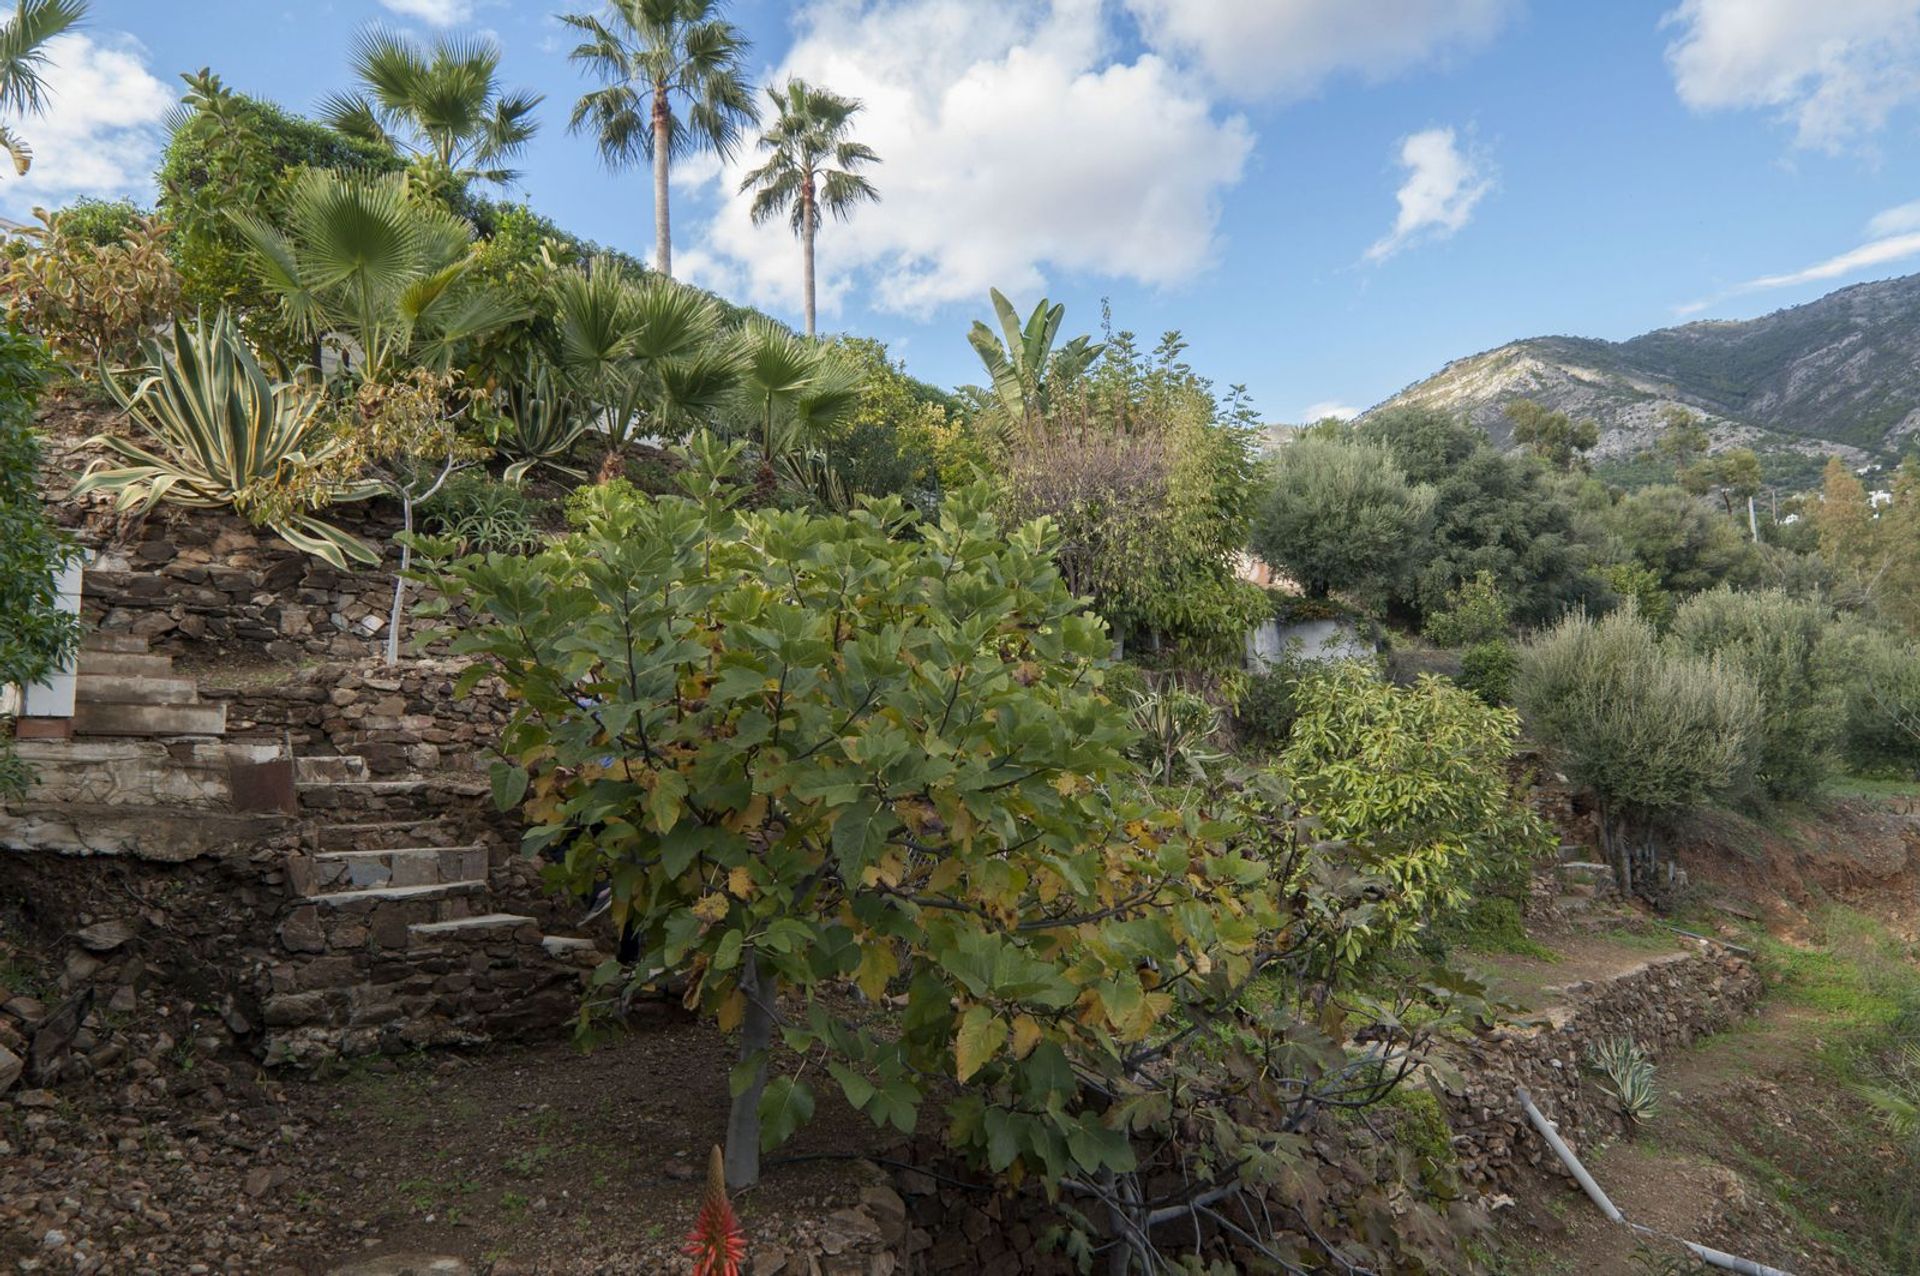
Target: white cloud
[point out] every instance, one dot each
(439, 13)
(1014, 144)
(1882, 251)
(1834, 69)
(1895, 221)
(1443, 186)
(1329, 408)
(1288, 48)
(101, 134)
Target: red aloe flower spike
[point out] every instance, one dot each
(717, 1243)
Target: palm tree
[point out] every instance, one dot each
(672, 86)
(443, 105)
(370, 258)
(23, 54)
(810, 168)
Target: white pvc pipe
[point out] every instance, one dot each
(1730, 1262)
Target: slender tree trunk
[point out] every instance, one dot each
(743, 1120)
(806, 250)
(400, 584)
(1753, 519)
(662, 222)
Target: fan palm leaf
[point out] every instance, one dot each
(368, 257)
(23, 61)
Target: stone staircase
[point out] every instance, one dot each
(398, 939)
(123, 689)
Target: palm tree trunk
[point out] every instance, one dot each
(662, 223)
(806, 250)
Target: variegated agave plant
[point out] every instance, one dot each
(1626, 1066)
(222, 434)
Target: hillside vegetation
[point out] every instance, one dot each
(1840, 374)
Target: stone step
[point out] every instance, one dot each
(115, 688)
(498, 927)
(329, 769)
(118, 644)
(379, 835)
(446, 900)
(400, 866)
(94, 718)
(124, 664)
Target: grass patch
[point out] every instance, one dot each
(1863, 786)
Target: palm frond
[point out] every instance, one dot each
(23, 50)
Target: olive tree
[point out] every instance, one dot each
(1339, 515)
(1650, 731)
(1775, 641)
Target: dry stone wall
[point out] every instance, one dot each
(402, 720)
(1665, 1004)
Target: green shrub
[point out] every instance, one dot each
(1640, 585)
(1414, 782)
(486, 516)
(1876, 674)
(1266, 709)
(1476, 613)
(1650, 731)
(810, 753)
(36, 637)
(1487, 669)
(1775, 642)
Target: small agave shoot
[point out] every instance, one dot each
(1174, 726)
(1629, 1073)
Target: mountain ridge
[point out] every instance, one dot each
(1839, 374)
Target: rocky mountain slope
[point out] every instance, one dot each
(1840, 374)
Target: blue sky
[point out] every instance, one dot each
(1330, 198)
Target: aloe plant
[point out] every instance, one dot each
(221, 434)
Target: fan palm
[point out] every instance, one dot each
(442, 105)
(671, 86)
(23, 56)
(642, 350)
(1025, 368)
(810, 168)
(794, 390)
(366, 257)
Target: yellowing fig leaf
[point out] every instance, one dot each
(1026, 1035)
(980, 1037)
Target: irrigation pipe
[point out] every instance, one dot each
(1598, 1196)
(1710, 939)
